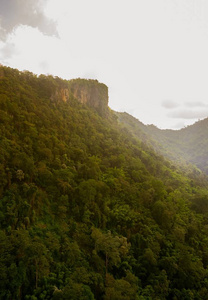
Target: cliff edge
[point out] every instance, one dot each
(92, 93)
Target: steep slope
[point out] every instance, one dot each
(86, 210)
(188, 145)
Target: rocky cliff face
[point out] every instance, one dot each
(61, 94)
(88, 92)
(92, 93)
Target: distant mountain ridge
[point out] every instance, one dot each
(189, 144)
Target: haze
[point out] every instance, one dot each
(151, 54)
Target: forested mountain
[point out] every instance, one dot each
(88, 211)
(190, 144)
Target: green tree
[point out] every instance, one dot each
(113, 247)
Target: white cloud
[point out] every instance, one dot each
(28, 48)
(19, 12)
(195, 104)
(169, 104)
(145, 51)
(188, 114)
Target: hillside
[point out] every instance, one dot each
(88, 211)
(188, 145)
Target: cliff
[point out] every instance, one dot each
(61, 94)
(86, 210)
(92, 93)
(86, 91)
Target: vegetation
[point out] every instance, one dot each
(186, 146)
(87, 211)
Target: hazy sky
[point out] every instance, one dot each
(152, 54)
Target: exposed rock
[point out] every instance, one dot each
(60, 94)
(64, 93)
(92, 93)
(89, 92)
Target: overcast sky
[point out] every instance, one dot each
(152, 54)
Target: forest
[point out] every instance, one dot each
(89, 210)
(188, 145)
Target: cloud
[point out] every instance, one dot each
(30, 13)
(195, 104)
(188, 114)
(7, 50)
(20, 51)
(169, 104)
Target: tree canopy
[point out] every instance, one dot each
(88, 210)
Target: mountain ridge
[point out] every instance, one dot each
(189, 144)
(87, 210)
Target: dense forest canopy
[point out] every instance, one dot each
(187, 145)
(87, 210)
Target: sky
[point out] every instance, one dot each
(152, 54)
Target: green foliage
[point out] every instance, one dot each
(186, 147)
(87, 211)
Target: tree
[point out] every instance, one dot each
(113, 247)
(38, 259)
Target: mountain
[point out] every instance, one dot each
(88, 210)
(188, 145)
